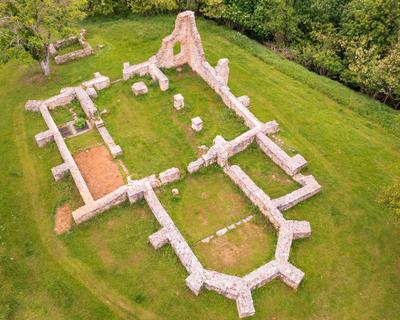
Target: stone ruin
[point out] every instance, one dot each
(192, 53)
(74, 55)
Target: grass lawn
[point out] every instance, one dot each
(153, 135)
(105, 269)
(70, 48)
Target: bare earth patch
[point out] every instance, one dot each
(63, 219)
(99, 170)
(238, 251)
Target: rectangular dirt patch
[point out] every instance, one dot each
(99, 170)
(239, 251)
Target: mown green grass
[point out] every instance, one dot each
(105, 268)
(153, 135)
(70, 48)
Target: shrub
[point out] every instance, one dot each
(80, 123)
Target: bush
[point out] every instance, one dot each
(80, 123)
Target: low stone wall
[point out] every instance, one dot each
(255, 194)
(140, 69)
(99, 82)
(44, 138)
(98, 206)
(222, 150)
(62, 99)
(309, 189)
(74, 55)
(170, 175)
(157, 75)
(291, 165)
(67, 157)
(115, 149)
(85, 102)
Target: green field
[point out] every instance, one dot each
(105, 269)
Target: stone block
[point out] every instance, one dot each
(33, 105)
(116, 151)
(169, 175)
(91, 92)
(195, 165)
(159, 239)
(197, 124)
(179, 102)
(221, 232)
(59, 171)
(44, 138)
(139, 88)
(244, 100)
(195, 282)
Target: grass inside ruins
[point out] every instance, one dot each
(69, 48)
(105, 269)
(208, 201)
(155, 136)
(241, 250)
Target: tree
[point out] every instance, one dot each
(28, 26)
(152, 6)
(106, 7)
(276, 19)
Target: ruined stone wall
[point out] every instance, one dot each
(85, 102)
(74, 55)
(67, 157)
(291, 165)
(93, 208)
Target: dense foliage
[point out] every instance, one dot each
(354, 41)
(28, 27)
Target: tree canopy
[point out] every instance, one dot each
(27, 27)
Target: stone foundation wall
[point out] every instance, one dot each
(85, 102)
(99, 82)
(74, 55)
(192, 53)
(157, 75)
(44, 138)
(309, 189)
(291, 165)
(96, 207)
(67, 157)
